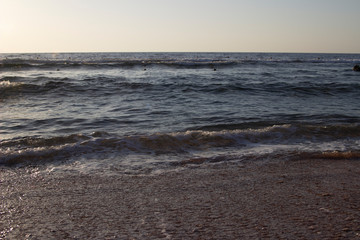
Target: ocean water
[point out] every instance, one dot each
(148, 112)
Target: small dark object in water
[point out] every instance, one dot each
(214, 69)
(356, 68)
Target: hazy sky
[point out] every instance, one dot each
(180, 25)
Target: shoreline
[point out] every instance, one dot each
(299, 199)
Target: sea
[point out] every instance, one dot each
(142, 113)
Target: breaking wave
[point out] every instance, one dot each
(314, 141)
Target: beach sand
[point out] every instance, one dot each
(303, 199)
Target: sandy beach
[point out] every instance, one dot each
(304, 199)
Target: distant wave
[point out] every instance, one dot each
(17, 64)
(12, 89)
(176, 62)
(13, 86)
(7, 84)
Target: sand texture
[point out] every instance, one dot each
(305, 199)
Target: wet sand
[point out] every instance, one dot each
(305, 199)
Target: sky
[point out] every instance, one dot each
(321, 26)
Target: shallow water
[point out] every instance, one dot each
(134, 112)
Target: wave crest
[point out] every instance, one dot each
(37, 150)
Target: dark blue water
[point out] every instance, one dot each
(136, 111)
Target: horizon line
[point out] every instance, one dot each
(71, 52)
